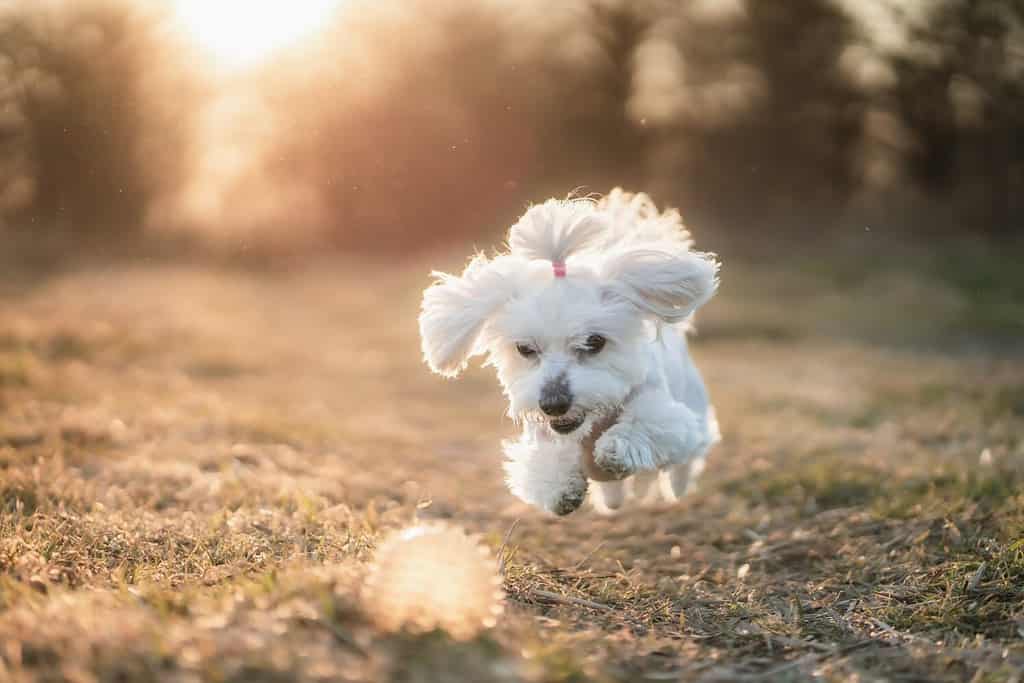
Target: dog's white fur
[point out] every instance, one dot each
(633, 281)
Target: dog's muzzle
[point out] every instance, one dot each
(566, 425)
(556, 402)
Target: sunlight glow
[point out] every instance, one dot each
(239, 33)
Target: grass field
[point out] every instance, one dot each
(196, 463)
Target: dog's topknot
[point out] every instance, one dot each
(557, 229)
(634, 218)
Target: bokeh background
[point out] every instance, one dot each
(217, 218)
(392, 125)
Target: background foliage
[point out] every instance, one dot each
(403, 122)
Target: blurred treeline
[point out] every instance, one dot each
(409, 122)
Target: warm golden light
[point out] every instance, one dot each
(239, 33)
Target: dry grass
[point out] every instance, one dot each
(195, 464)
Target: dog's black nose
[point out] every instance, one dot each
(555, 406)
(555, 397)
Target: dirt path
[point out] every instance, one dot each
(197, 462)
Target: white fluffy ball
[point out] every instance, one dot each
(434, 576)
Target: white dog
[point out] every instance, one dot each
(585, 320)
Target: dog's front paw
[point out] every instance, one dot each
(617, 454)
(570, 499)
(547, 476)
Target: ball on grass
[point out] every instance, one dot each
(433, 576)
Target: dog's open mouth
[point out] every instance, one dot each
(566, 425)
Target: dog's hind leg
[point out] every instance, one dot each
(679, 480)
(608, 496)
(643, 487)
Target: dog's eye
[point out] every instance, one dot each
(594, 344)
(526, 351)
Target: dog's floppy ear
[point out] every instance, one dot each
(668, 284)
(455, 310)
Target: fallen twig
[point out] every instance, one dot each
(896, 540)
(903, 637)
(798, 643)
(789, 641)
(837, 619)
(976, 578)
(589, 555)
(568, 599)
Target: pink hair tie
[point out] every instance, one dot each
(559, 268)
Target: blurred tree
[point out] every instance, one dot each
(410, 121)
(962, 92)
(77, 80)
(756, 127)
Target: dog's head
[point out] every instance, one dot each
(566, 316)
